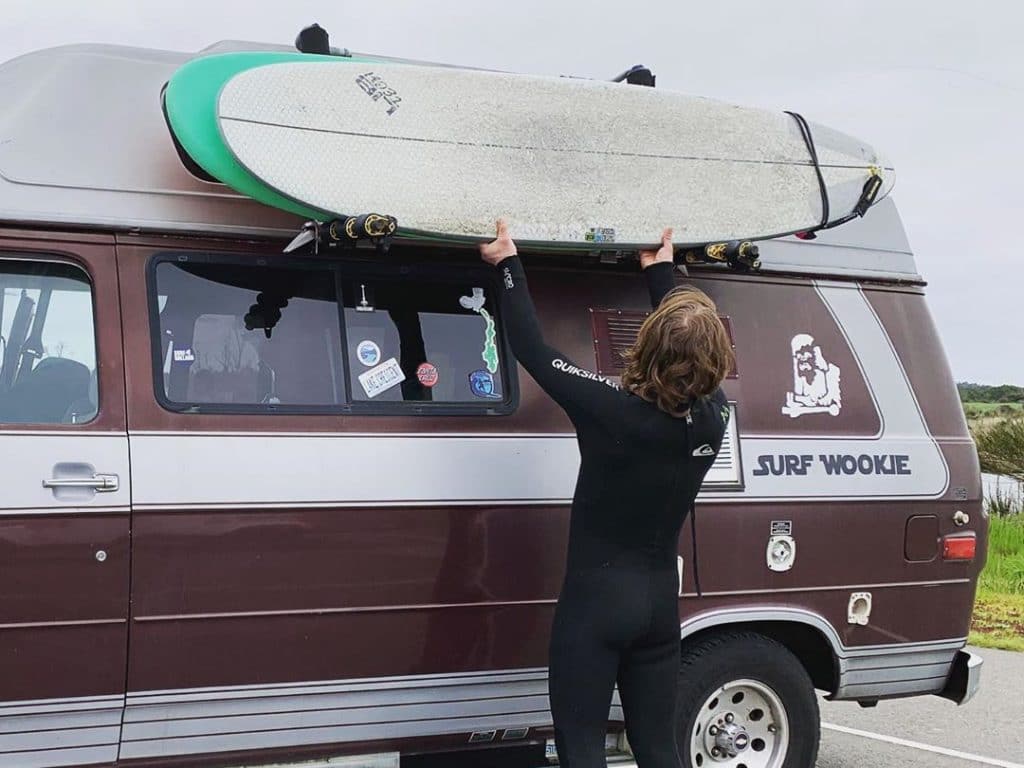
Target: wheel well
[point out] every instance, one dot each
(804, 641)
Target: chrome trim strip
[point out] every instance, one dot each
(164, 723)
(347, 609)
(76, 431)
(59, 732)
(75, 623)
(828, 588)
(508, 603)
(69, 510)
(712, 618)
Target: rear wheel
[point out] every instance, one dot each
(745, 701)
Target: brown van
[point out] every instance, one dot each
(223, 541)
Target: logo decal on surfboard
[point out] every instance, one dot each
(377, 89)
(600, 235)
(815, 380)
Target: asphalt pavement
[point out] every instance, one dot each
(929, 731)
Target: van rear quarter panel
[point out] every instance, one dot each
(305, 585)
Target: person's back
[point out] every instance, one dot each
(639, 471)
(644, 451)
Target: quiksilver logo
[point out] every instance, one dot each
(507, 275)
(704, 450)
(569, 368)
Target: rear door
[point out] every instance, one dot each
(64, 504)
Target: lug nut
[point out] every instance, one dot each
(772, 728)
(713, 730)
(729, 718)
(716, 752)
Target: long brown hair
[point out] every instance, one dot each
(681, 353)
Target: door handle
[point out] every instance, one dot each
(98, 483)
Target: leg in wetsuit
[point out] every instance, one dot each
(617, 619)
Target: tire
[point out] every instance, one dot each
(749, 698)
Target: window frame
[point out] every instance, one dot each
(53, 258)
(342, 270)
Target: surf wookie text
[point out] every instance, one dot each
(377, 89)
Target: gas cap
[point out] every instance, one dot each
(781, 553)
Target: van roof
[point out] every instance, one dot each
(83, 143)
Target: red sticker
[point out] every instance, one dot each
(427, 374)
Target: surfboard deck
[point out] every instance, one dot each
(569, 162)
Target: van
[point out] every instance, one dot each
(223, 542)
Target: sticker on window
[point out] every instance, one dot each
(481, 383)
(475, 302)
(382, 378)
(426, 374)
(368, 352)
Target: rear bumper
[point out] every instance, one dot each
(964, 678)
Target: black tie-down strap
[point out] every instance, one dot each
(867, 194)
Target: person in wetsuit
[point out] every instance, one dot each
(644, 448)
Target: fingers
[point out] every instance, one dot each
(502, 228)
(666, 236)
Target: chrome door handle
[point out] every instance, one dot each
(99, 483)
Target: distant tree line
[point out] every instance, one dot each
(987, 393)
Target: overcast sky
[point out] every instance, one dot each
(937, 85)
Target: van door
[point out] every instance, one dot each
(64, 504)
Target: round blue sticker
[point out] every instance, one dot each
(481, 384)
(368, 352)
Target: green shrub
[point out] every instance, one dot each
(1001, 447)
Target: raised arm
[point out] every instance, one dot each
(581, 393)
(658, 268)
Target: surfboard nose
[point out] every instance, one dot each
(839, 148)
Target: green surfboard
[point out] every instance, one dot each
(191, 106)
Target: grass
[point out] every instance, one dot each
(1003, 409)
(999, 608)
(998, 621)
(984, 416)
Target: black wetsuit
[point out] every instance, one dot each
(617, 618)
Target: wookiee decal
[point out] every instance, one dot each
(815, 380)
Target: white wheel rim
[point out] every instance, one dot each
(742, 724)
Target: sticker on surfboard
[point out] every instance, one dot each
(382, 378)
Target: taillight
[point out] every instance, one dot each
(959, 546)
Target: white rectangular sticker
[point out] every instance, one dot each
(382, 378)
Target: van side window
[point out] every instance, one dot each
(47, 344)
(421, 340)
(248, 335)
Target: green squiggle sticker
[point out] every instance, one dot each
(476, 304)
(490, 353)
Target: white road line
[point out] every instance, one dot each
(923, 747)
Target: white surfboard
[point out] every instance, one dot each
(567, 161)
